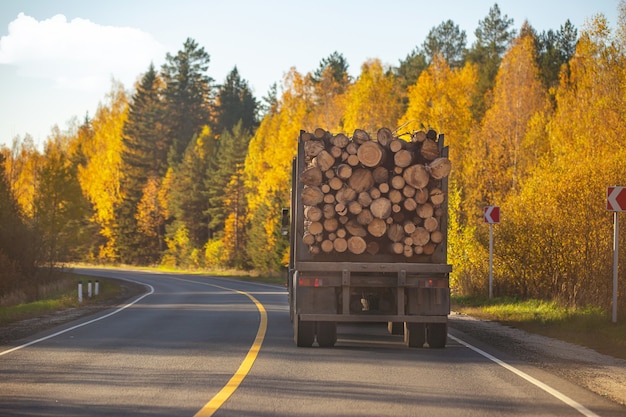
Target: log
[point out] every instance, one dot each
(436, 236)
(420, 236)
(316, 228)
(312, 196)
(409, 204)
(345, 195)
(408, 191)
(327, 246)
(440, 168)
(308, 239)
(437, 197)
(354, 207)
(430, 149)
(377, 227)
(403, 158)
(373, 247)
(340, 245)
(396, 145)
(416, 176)
(330, 225)
(335, 183)
(353, 160)
(361, 180)
(365, 217)
(431, 224)
(370, 154)
(381, 208)
(355, 229)
(418, 137)
(381, 175)
(313, 147)
(384, 136)
(328, 211)
(312, 213)
(421, 196)
(357, 245)
(398, 182)
(340, 140)
(312, 176)
(425, 210)
(364, 199)
(341, 209)
(395, 232)
(320, 133)
(360, 136)
(336, 152)
(397, 248)
(395, 196)
(324, 160)
(344, 171)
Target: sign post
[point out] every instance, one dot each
(491, 215)
(615, 202)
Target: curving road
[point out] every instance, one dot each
(200, 346)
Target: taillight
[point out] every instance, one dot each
(310, 282)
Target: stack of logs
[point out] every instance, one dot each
(362, 195)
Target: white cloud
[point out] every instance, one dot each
(78, 54)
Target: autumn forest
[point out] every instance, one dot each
(183, 172)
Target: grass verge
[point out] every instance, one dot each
(60, 295)
(590, 327)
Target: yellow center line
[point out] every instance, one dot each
(231, 386)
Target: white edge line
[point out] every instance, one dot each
(84, 324)
(564, 398)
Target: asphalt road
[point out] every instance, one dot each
(197, 345)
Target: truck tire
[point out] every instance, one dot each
(437, 335)
(414, 334)
(326, 333)
(304, 332)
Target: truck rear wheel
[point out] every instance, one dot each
(414, 334)
(437, 335)
(326, 333)
(304, 332)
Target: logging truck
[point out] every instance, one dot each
(367, 228)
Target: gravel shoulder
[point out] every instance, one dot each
(602, 374)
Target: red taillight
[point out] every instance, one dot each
(310, 282)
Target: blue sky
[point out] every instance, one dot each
(58, 57)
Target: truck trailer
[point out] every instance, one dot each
(367, 228)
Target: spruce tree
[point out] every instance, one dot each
(144, 156)
(234, 103)
(187, 96)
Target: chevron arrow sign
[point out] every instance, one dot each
(616, 199)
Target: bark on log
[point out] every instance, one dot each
(340, 140)
(384, 136)
(360, 136)
(355, 229)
